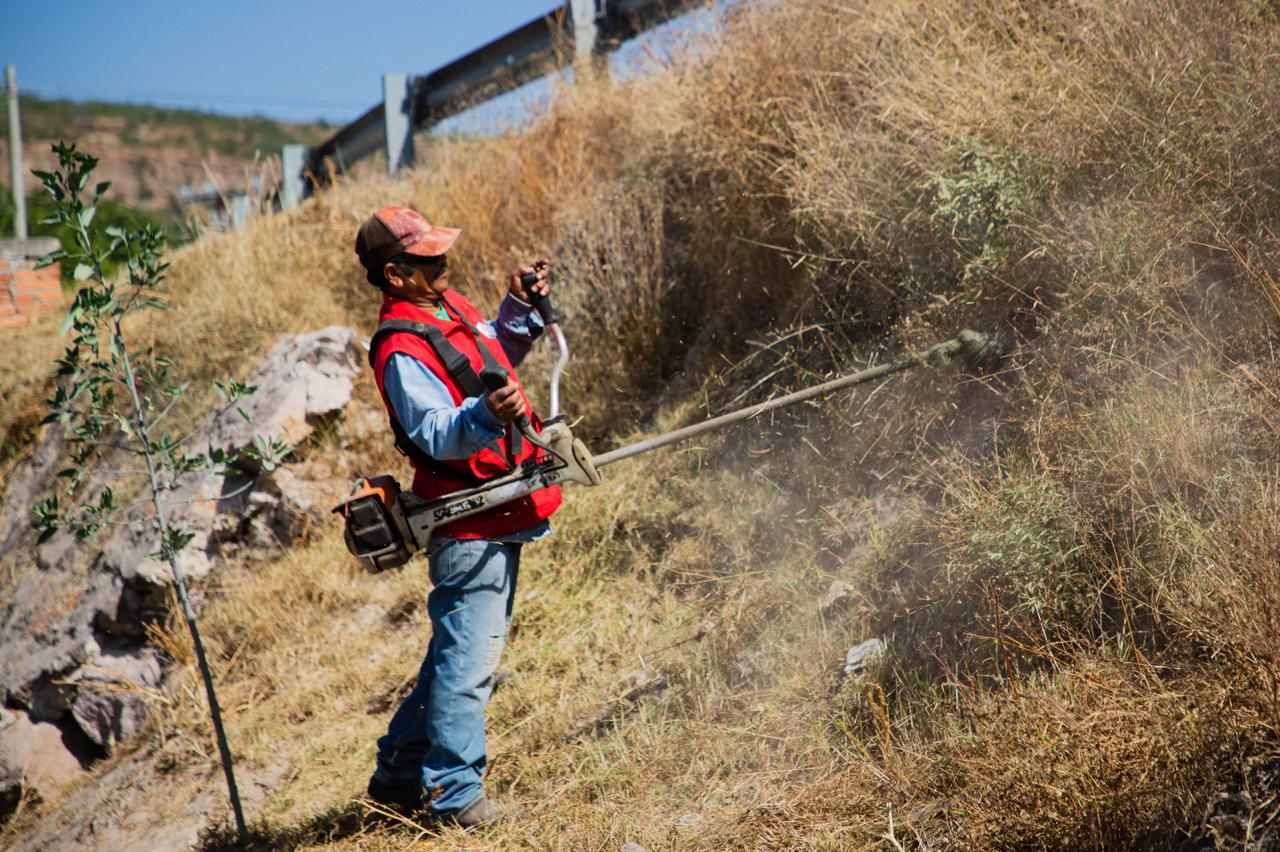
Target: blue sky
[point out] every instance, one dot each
(287, 59)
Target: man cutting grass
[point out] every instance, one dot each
(428, 356)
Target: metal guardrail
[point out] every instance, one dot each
(575, 31)
(359, 139)
(506, 63)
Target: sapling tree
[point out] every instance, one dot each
(110, 391)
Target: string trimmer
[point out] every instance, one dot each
(385, 525)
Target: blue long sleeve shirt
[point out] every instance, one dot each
(424, 406)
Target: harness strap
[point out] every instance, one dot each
(459, 369)
(457, 365)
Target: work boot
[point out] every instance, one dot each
(482, 812)
(404, 797)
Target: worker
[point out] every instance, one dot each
(457, 433)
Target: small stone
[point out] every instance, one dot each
(632, 846)
(687, 820)
(861, 657)
(837, 593)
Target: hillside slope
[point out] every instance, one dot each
(149, 153)
(1072, 561)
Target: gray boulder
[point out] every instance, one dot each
(51, 697)
(304, 380)
(111, 701)
(32, 758)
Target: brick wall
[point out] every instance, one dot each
(26, 293)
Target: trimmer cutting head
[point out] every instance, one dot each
(984, 353)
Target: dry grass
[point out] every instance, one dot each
(32, 349)
(1073, 561)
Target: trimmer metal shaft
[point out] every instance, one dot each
(975, 345)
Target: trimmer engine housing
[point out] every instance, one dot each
(375, 529)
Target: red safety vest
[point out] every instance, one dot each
(485, 464)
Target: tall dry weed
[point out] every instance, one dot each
(1077, 589)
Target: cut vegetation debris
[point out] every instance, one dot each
(1074, 564)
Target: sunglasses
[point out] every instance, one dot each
(419, 260)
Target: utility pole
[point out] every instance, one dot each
(16, 182)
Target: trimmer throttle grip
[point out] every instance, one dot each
(495, 378)
(541, 304)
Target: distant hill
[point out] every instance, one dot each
(150, 153)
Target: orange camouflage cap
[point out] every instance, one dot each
(394, 231)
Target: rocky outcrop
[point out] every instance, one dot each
(111, 694)
(72, 619)
(33, 756)
(245, 511)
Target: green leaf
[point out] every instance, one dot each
(72, 315)
(101, 189)
(124, 424)
(269, 452)
(174, 540)
(51, 258)
(47, 518)
(86, 216)
(83, 272)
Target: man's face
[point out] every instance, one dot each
(427, 279)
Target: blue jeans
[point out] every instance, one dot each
(437, 735)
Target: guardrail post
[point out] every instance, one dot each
(239, 210)
(586, 31)
(293, 175)
(397, 106)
